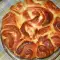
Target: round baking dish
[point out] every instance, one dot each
(52, 57)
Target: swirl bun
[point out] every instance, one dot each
(32, 29)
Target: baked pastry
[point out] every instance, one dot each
(32, 29)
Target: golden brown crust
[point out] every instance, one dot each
(32, 29)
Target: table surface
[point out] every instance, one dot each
(3, 9)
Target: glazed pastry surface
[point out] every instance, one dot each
(32, 29)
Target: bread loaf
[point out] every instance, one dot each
(32, 29)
